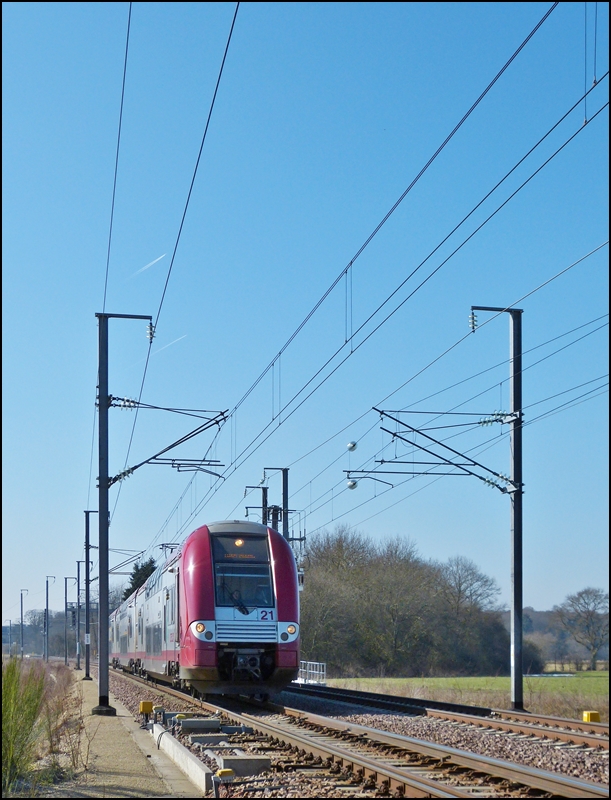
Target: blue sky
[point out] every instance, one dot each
(325, 114)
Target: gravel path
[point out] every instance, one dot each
(116, 767)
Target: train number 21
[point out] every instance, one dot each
(266, 615)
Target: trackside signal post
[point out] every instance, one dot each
(515, 389)
(104, 708)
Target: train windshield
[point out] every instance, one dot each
(242, 572)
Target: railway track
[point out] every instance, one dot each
(590, 734)
(367, 762)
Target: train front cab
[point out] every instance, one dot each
(239, 613)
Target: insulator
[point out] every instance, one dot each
(352, 484)
(472, 321)
(150, 331)
(351, 446)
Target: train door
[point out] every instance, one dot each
(177, 628)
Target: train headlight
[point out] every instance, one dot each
(284, 636)
(291, 629)
(200, 627)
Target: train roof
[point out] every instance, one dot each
(229, 525)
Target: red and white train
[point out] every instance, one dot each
(221, 616)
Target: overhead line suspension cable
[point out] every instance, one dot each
(112, 212)
(450, 437)
(199, 155)
(184, 214)
(500, 363)
(412, 293)
(394, 207)
(354, 349)
(114, 185)
(477, 374)
(436, 248)
(213, 489)
(234, 465)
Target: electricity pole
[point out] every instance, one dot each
(87, 611)
(264, 506)
(104, 708)
(22, 591)
(285, 502)
(78, 613)
(515, 388)
(46, 631)
(66, 618)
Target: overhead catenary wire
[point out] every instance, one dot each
(412, 293)
(247, 451)
(234, 464)
(339, 483)
(235, 457)
(212, 490)
(114, 184)
(112, 213)
(440, 391)
(394, 207)
(178, 236)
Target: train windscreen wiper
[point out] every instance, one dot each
(237, 602)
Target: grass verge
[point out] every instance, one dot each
(566, 696)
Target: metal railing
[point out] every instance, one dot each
(312, 672)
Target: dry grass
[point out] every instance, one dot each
(59, 744)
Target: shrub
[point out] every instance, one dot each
(22, 697)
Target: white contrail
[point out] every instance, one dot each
(142, 360)
(169, 345)
(148, 265)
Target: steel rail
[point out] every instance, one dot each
(411, 786)
(591, 734)
(540, 731)
(517, 773)
(601, 728)
(392, 777)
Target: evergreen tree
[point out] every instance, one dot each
(140, 573)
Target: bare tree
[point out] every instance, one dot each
(585, 615)
(466, 587)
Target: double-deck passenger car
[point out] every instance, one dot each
(221, 616)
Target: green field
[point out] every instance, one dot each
(565, 696)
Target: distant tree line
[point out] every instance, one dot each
(380, 609)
